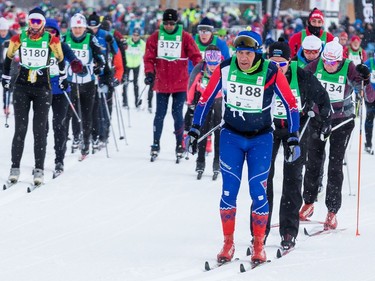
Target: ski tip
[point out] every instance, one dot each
(305, 231)
(242, 268)
(207, 266)
(248, 251)
(278, 254)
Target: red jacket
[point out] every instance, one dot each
(295, 41)
(171, 76)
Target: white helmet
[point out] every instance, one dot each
(333, 50)
(4, 24)
(312, 42)
(78, 20)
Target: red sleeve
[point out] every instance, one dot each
(149, 58)
(345, 52)
(192, 49)
(117, 62)
(192, 89)
(329, 37)
(364, 56)
(295, 43)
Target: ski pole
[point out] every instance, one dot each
(140, 96)
(7, 102)
(359, 156)
(209, 132)
(342, 124)
(79, 113)
(310, 114)
(347, 171)
(120, 118)
(109, 117)
(72, 106)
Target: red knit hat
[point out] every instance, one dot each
(355, 37)
(316, 14)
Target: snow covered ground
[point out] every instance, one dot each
(125, 218)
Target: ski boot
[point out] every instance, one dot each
(369, 150)
(179, 153)
(331, 221)
(59, 169)
(306, 212)
(199, 168)
(155, 149)
(95, 146)
(75, 145)
(259, 254)
(38, 176)
(227, 252)
(216, 170)
(14, 175)
(84, 153)
(287, 242)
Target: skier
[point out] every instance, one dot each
(314, 27)
(87, 48)
(354, 51)
(311, 50)
(248, 83)
(134, 54)
(340, 77)
(307, 91)
(32, 85)
(198, 81)
(370, 109)
(109, 78)
(165, 62)
(59, 101)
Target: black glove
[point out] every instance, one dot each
(149, 78)
(293, 151)
(191, 140)
(5, 81)
(98, 69)
(325, 129)
(63, 81)
(363, 70)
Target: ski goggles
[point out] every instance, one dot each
(311, 52)
(212, 57)
(204, 29)
(169, 22)
(244, 42)
(330, 63)
(279, 63)
(52, 31)
(35, 21)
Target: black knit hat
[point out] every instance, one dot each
(94, 20)
(279, 49)
(37, 13)
(170, 14)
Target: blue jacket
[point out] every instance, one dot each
(68, 55)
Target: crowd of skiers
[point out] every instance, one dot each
(299, 94)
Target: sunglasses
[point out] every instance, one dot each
(205, 29)
(279, 64)
(172, 23)
(311, 52)
(331, 63)
(52, 31)
(35, 21)
(245, 41)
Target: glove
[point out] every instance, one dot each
(149, 78)
(63, 81)
(363, 70)
(191, 140)
(293, 151)
(5, 81)
(325, 130)
(98, 69)
(115, 82)
(77, 66)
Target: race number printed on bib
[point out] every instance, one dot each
(245, 97)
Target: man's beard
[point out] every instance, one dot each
(314, 30)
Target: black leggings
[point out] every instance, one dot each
(41, 100)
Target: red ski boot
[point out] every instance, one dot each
(227, 252)
(259, 254)
(331, 221)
